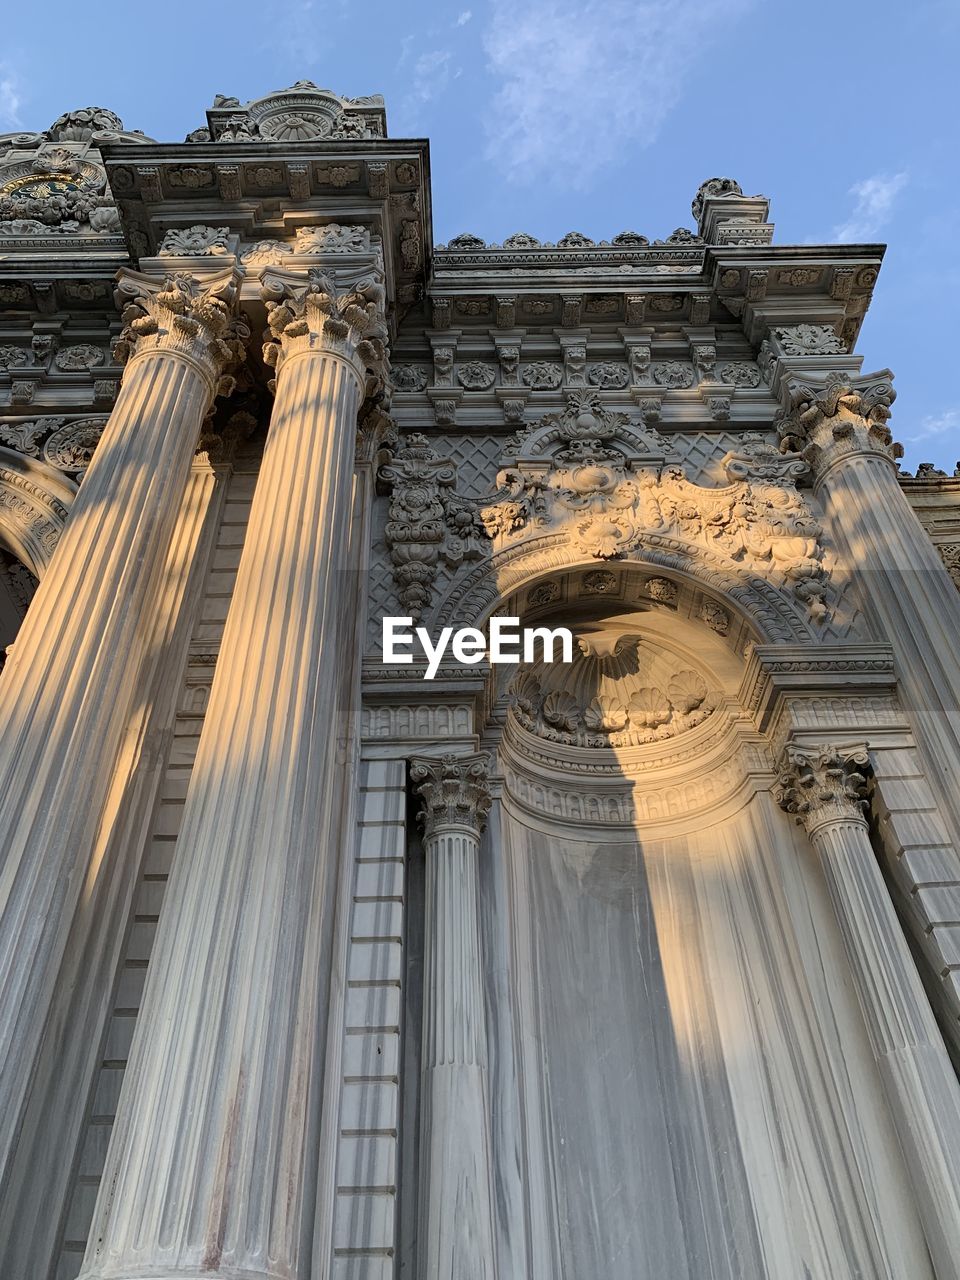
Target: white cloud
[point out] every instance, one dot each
(464, 17)
(935, 425)
(579, 80)
(874, 204)
(9, 99)
(431, 74)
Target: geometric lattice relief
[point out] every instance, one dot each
(477, 458)
(701, 453)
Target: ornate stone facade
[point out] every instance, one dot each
(637, 965)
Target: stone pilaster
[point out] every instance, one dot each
(455, 1239)
(66, 694)
(212, 1168)
(825, 788)
(901, 583)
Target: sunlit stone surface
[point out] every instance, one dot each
(314, 969)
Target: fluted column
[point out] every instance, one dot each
(212, 1166)
(825, 788)
(899, 578)
(65, 695)
(455, 1236)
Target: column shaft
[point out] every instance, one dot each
(212, 1168)
(826, 788)
(53, 1127)
(66, 694)
(903, 587)
(455, 1236)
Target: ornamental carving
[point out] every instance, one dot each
(427, 524)
(809, 340)
(409, 377)
(671, 373)
(80, 126)
(620, 691)
(66, 443)
(70, 448)
(332, 238)
(265, 253)
(713, 187)
(823, 785)
(662, 590)
(454, 790)
(846, 415)
(575, 240)
(545, 593)
(55, 193)
(542, 376)
(196, 241)
(715, 616)
(180, 314)
(740, 374)
(799, 276)
(14, 357)
(950, 555)
(607, 374)
(604, 484)
(79, 358)
(521, 240)
(476, 376)
(304, 313)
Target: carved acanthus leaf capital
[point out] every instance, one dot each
(181, 314)
(824, 784)
(455, 791)
(311, 311)
(843, 417)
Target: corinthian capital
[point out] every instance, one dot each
(180, 314)
(312, 311)
(454, 790)
(819, 785)
(845, 416)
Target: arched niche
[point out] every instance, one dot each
(666, 964)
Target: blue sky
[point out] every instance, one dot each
(551, 116)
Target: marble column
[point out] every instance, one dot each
(825, 788)
(900, 580)
(213, 1163)
(31, 1212)
(66, 693)
(455, 1236)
